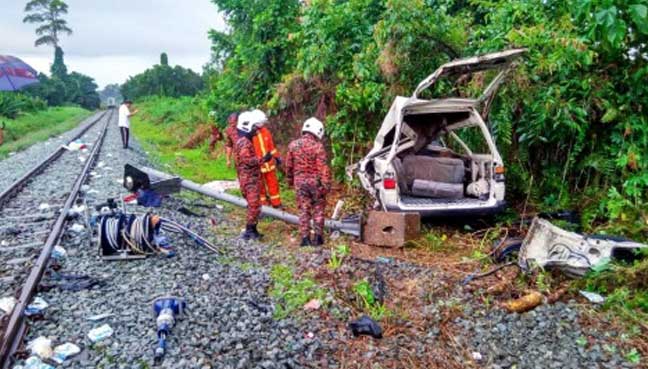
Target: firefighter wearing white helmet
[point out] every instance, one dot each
(244, 122)
(314, 126)
(308, 172)
(248, 168)
(258, 117)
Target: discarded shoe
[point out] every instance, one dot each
(365, 326)
(319, 240)
(305, 242)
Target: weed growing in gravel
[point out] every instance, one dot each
(581, 341)
(633, 356)
(337, 256)
(543, 281)
(372, 306)
(292, 293)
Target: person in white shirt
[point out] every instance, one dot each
(124, 120)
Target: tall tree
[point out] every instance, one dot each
(164, 59)
(49, 14)
(58, 69)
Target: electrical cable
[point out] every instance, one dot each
(136, 233)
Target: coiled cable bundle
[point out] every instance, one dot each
(121, 234)
(129, 233)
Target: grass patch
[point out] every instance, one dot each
(376, 309)
(28, 129)
(163, 127)
(625, 286)
(337, 256)
(290, 292)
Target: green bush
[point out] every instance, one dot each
(13, 104)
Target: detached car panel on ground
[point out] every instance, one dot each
(437, 156)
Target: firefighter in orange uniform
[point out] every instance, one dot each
(263, 145)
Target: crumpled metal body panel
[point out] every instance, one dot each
(549, 246)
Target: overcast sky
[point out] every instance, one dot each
(115, 39)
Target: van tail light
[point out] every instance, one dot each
(499, 173)
(389, 183)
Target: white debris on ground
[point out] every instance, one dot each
(221, 186)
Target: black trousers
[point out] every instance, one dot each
(124, 136)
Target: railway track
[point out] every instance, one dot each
(33, 213)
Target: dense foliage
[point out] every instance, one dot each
(65, 88)
(13, 104)
(163, 80)
(571, 123)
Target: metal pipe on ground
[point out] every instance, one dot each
(351, 227)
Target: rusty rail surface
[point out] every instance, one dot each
(15, 329)
(38, 168)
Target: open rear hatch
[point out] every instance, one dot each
(406, 138)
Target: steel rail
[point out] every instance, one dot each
(38, 168)
(15, 329)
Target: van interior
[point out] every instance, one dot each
(440, 166)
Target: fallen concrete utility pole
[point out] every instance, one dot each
(352, 227)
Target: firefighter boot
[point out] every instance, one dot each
(251, 233)
(319, 240)
(306, 242)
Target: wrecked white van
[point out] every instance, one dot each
(437, 156)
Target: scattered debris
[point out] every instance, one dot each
(65, 351)
(149, 198)
(74, 282)
(98, 317)
(337, 210)
(100, 333)
(77, 228)
(189, 212)
(7, 304)
(548, 246)
(365, 326)
(504, 249)
(59, 253)
(384, 260)
(36, 307)
(76, 211)
(34, 363)
(166, 310)
(43, 206)
(221, 186)
(524, 303)
(592, 297)
(313, 304)
(205, 277)
(498, 288)
(75, 146)
(494, 270)
(41, 347)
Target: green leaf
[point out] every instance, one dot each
(609, 115)
(633, 356)
(639, 15)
